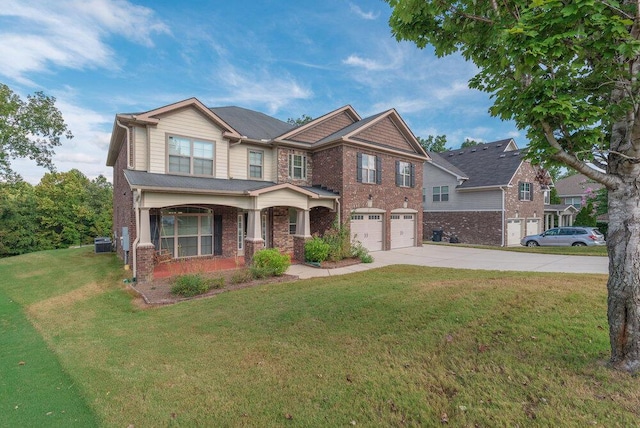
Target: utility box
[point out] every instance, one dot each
(102, 244)
(437, 235)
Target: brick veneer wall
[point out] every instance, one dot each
(525, 209)
(335, 168)
(123, 215)
(283, 167)
(320, 219)
(282, 240)
(145, 263)
(470, 227)
(229, 229)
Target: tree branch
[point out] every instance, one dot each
(610, 181)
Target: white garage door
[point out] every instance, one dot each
(533, 226)
(367, 228)
(403, 227)
(513, 231)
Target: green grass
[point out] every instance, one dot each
(599, 250)
(401, 345)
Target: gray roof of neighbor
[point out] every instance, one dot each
(486, 165)
(576, 185)
(166, 181)
(252, 124)
(442, 162)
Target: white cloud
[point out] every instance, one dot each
(261, 88)
(69, 33)
(454, 90)
(362, 14)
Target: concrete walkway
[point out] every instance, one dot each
(466, 258)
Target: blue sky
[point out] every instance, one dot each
(286, 59)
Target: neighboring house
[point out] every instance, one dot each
(485, 194)
(193, 181)
(572, 191)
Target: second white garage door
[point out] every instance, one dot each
(367, 228)
(514, 227)
(403, 230)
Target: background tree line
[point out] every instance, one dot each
(64, 209)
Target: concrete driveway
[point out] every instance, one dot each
(467, 258)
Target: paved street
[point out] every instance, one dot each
(467, 258)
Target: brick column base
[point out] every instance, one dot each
(250, 247)
(145, 263)
(298, 247)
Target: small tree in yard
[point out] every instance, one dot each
(567, 73)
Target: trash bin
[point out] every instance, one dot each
(437, 235)
(102, 244)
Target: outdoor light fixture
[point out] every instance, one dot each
(370, 201)
(406, 200)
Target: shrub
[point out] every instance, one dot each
(241, 276)
(339, 239)
(316, 250)
(191, 285)
(269, 262)
(359, 251)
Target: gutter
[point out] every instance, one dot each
(126, 130)
(134, 247)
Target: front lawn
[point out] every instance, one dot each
(402, 345)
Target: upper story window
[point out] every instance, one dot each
(256, 159)
(369, 169)
(297, 166)
(547, 197)
(405, 174)
(576, 201)
(189, 156)
(440, 193)
(524, 191)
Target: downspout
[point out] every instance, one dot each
(338, 204)
(126, 130)
(134, 246)
(503, 216)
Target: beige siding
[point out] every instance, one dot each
(140, 148)
(458, 200)
(282, 197)
(239, 162)
(160, 200)
(189, 123)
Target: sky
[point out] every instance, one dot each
(286, 59)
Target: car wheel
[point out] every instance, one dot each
(578, 244)
(532, 244)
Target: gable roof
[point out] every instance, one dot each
(252, 124)
(576, 185)
(486, 165)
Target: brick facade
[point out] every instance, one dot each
(145, 263)
(283, 167)
(470, 227)
(123, 215)
(282, 239)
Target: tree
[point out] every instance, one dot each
(30, 129)
(304, 119)
(468, 143)
(436, 144)
(566, 72)
(586, 216)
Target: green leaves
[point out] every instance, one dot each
(29, 129)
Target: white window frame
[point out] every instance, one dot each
(297, 172)
(293, 221)
(524, 191)
(254, 165)
(440, 194)
(404, 170)
(369, 171)
(192, 156)
(175, 236)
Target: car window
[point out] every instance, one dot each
(580, 232)
(596, 232)
(566, 231)
(551, 232)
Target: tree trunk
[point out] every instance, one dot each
(623, 243)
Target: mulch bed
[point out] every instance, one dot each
(158, 292)
(338, 264)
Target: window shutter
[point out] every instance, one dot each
(413, 174)
(531, 191)
(398, 175)
(359, 168)
(520, 190)
(290, 165)
(378, 170)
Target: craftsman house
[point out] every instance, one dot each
(485, 194)
(192, 181)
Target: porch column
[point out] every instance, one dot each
(253, 242)
(303, 234)
(145, 227)
(303, 227)
(145, 250)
